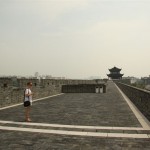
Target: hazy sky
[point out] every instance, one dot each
(74, 38)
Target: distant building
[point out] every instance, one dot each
(115, 73)
(48, 77)
(51, 77)
(36, 74)
(131, 80)
(146, 80)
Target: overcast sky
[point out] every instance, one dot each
(74, 38)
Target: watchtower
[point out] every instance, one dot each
(115, 73)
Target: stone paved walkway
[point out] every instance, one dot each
(102, 110)
(39, 141)
(109, 109)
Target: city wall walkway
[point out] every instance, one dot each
(75, 121)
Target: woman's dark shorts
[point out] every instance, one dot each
(27, 103)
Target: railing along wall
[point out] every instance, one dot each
(140, 97)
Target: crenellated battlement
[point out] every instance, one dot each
(12, 89)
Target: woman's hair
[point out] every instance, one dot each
(29, 83)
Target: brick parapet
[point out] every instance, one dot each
(140, 97)
(13, 93)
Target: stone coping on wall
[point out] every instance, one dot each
(142, 90)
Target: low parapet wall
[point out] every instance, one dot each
(84, 88)
(141, 98)
(12, 90)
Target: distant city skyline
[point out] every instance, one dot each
(74, 38)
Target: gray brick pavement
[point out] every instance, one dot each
(34, 141)
(107, 109)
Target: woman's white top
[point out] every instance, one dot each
(28, 98)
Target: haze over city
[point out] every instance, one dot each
(74, 38)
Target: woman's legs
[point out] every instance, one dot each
(27, 113)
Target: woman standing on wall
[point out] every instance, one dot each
(28, 101)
